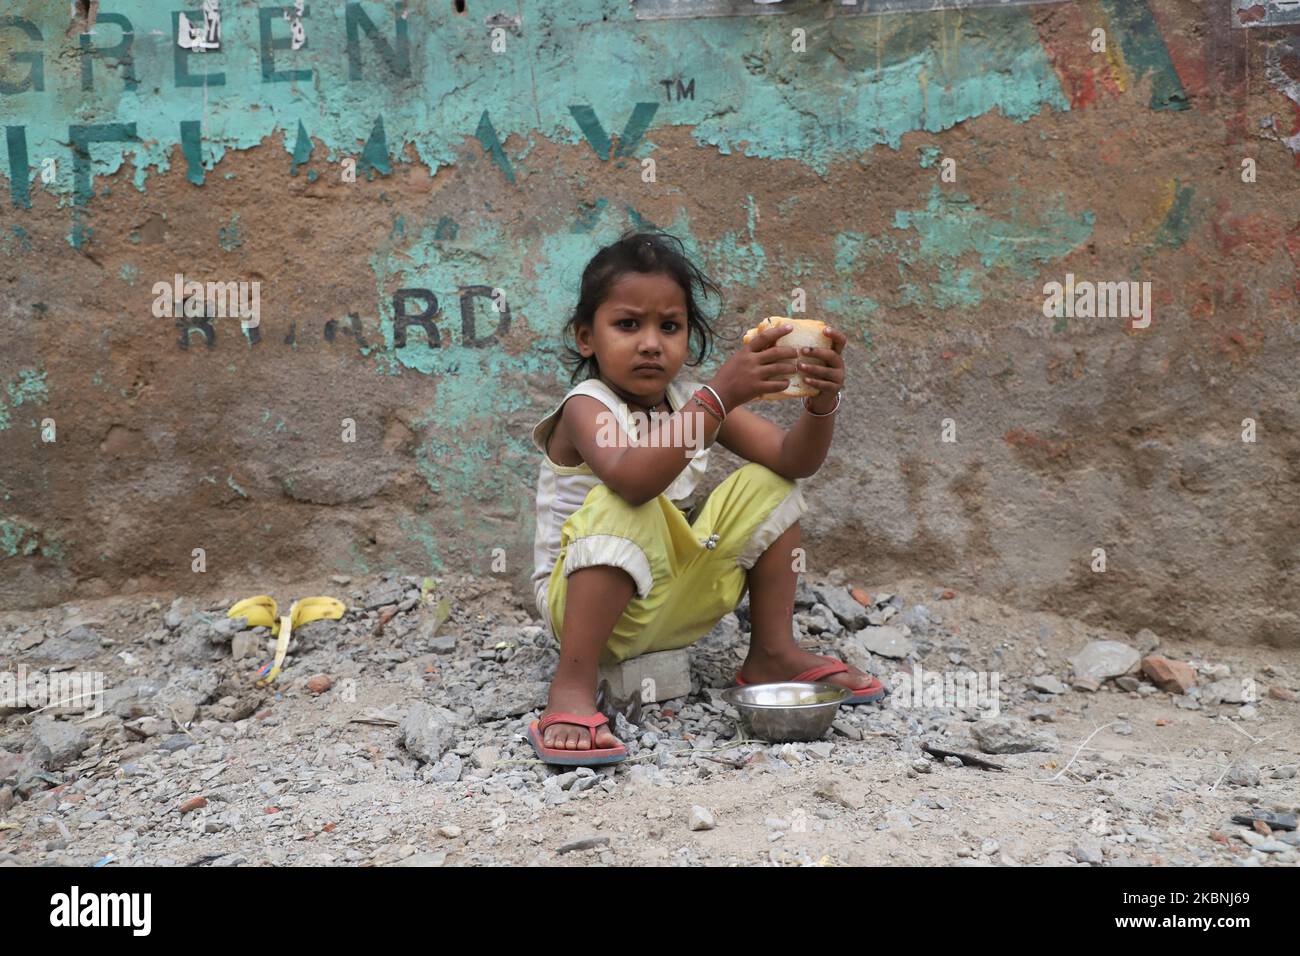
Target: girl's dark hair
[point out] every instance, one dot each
(639, 251)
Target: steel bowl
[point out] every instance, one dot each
(787, 710)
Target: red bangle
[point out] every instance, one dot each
(709, 401)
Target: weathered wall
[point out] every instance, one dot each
(482, 169)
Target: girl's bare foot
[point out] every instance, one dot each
(574, 698)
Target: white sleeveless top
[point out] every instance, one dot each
(561, 489)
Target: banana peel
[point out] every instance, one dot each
(306, 610)
(261, 611)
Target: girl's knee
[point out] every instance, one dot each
(762, 476)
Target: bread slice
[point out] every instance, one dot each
(809, 332)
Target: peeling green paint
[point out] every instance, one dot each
(19, 539)
(301, 150)
(589, 215)
(737, 259)
(1176, 228)
(17, 236)
(426, 536)
(849, 307)
(1145, 51)
(228, 235)
(951, 228)
(393, 89)
(28, 387)
(848, 247)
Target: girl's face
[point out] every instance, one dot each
(639, 335)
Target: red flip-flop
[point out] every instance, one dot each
(868, 693)
(592, 756)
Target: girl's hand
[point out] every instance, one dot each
(823, 369)
(759, 368)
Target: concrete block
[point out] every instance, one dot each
(662, 675)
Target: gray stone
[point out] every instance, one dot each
(1242, 773)
(660, 676)
(1146, 641)
(885, 642)
(804, 596)
(178, 704)
(700, 819)
(1127, 682)
(917, 618)
(222, 629)
(176, 742)
(845, 793)
(585, 843)
(132, 697)
(174, 617)
(1089, 853)
(390, 592)
(245, 644)
(484, 758)
(73, 646)
(1011, 735)
(437, 858)
(1272, 846)
(428, 732)
(442, 644)
(447, 770)
(885, 614)
(819, 620)
(56, 743)
(1102, 660)
(510, 699)
(846, 610)
(1047, 684)
(1228, 691)
(196, 644)
(150, 726)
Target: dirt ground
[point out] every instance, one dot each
(288, 776)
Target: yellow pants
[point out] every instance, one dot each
(683, 587)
